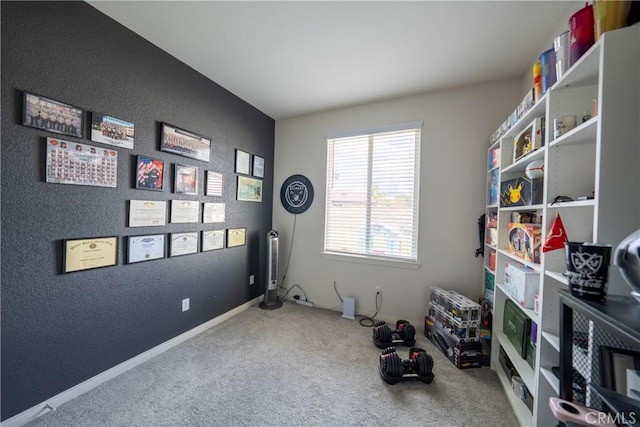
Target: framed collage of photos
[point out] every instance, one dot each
(79, 164)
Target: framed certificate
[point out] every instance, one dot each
(184, 243)
(184, 211)
(236, 237)
(147, 213)
(86, 254)
(145, 248)
(258, 166)
(249, 189)
(212, 239)
(243, 162)
(213, 212)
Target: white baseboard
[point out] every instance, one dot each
(75, 391)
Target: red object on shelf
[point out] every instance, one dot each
(581, 32)
(492, 261)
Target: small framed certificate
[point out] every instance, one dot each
(86, 254)
(249, 189)
(147, 213)
(145, 248)
(184, 243)
(258, 166)
(243, 162)
(214, 184)
(185, 211)
(212, 239)
(236, 237)
(213, 212)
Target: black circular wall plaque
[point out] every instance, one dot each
(296, 194)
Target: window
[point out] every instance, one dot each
(372, 193)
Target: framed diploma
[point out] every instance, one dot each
(86, 254)
(258, 166)
(183, 211)
(147, 213)
(145, 248)
(213, 212)
(236, 237)
(212, 239)
(249, 189)
(184, 243)
(243, 160)
(214, 184)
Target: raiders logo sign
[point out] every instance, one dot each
(296, 194)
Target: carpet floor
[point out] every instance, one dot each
(294, 366)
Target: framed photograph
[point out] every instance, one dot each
(258, 166)
(184, 243)
(616, 364)
(212, 240)
(51, 115)
(214, 184)
(147, 213)
(185, 211)
(236, 237)
(243, 160)
(87, 254)
(150, 174)
(112, 131)
(184, 143)
(145, 248)
(186, 179)
(79, 164)
(249, 189)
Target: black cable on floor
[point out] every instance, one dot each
(371, 319)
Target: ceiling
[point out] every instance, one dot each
(289, 58)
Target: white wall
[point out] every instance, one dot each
(455, 135)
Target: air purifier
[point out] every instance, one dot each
(271, 301)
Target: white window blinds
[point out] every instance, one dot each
(372, 193)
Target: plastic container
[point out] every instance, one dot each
(588, 269)
(610, 15)
(548, 65)
(581, 32)
(537, 80)
(563, 56)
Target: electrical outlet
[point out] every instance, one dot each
(378, 290)
(252, 279)
(185, 304)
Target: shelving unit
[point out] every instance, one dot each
(599, 158)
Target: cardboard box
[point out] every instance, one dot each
(522, 284)
(525, 241)
(521, 191)
(462, 354)
(517, 327)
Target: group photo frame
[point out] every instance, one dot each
(51, 115)
(184, 143)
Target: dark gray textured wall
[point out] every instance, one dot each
(61, 329)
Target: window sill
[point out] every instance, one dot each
(374, 261)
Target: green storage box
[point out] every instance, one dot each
(517, 327)
(531, 353)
